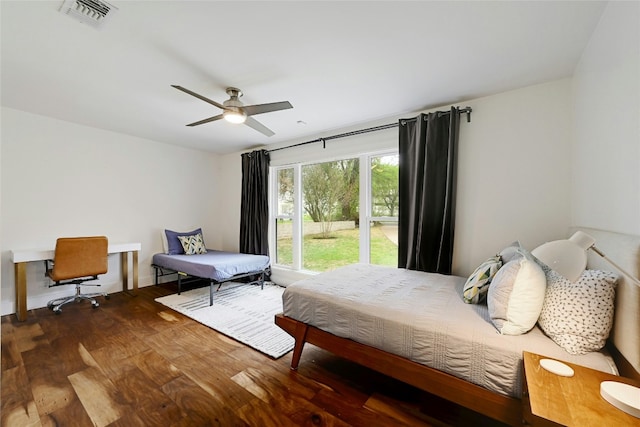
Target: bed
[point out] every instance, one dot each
(451, 349)
(218, 267)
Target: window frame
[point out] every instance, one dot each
(365, 208)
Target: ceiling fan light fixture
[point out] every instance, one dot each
(235, 116)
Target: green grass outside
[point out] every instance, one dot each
(342, 249)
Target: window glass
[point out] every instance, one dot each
(285, 192)
(383, 240)
(330, 200)
(284, 217)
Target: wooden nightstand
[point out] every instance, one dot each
(551, 400)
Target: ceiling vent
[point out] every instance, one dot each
(93, 12)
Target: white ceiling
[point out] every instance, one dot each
(338, 63)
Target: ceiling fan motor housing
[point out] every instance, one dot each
(234, 93)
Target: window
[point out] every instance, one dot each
(284, 217)
(383, 217)
(318, 213)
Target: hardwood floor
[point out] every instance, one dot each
(134, 362)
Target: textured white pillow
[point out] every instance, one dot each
(579, 316)
(476, 287)
(516, 295)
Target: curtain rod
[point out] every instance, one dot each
(466, 110)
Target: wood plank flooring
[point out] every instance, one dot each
(134, 362)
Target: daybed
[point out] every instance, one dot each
(215, 266)
(433, 340)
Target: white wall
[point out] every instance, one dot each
(513, 171)
(606, 148)
(230, 171)
(62, 179)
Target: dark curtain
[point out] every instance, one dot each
(254, 207)
(427, 191)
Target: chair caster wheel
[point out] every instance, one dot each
(57, 312)
(95, 305)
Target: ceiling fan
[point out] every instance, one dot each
(235, 111)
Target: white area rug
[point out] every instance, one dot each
(240, 311)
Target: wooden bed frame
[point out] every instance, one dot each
(500, 407)
(497, 406)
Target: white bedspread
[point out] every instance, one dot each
(421, 316)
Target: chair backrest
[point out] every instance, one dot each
(80, 257)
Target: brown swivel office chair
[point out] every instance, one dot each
(76, 261)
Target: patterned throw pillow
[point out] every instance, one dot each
(193, 244)
(476, 287)
(579, 316)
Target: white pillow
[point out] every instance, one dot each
(165, 245)
(516, 295)
(579, 316)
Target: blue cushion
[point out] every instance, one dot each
(174, 247)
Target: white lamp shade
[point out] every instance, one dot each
(564, 256)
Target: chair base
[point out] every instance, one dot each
(56, 304)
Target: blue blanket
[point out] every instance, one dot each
(216, 265)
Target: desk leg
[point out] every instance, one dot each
(124, 266)
(21, 290)
(134, 255)
(124, 260)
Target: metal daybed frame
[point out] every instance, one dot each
(165, 271)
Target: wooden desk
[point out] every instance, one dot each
(21, 258)
(552, 400)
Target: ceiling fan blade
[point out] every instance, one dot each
(252, 110)
(253, 123)
(210, 101)
(210, 119)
